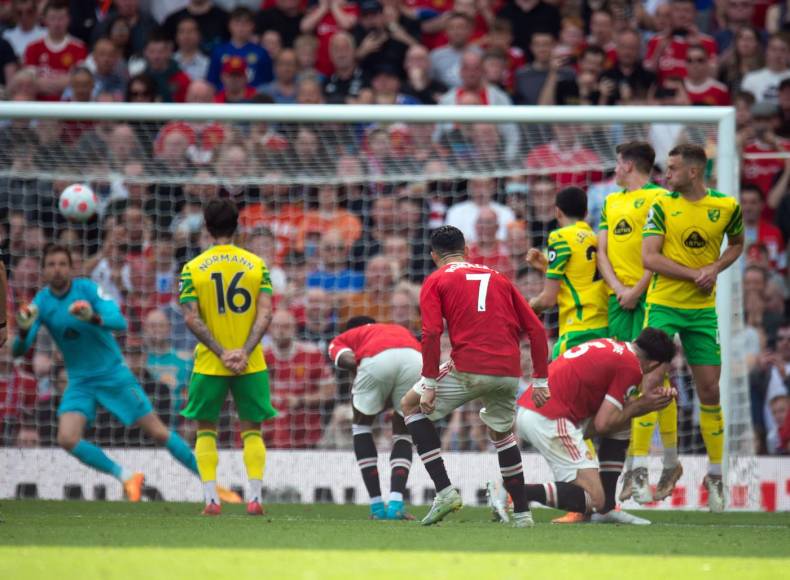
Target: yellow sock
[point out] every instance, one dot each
(711, 424)
(668, 425)
(206, 455)
(642, 433)
(254, 454)
(591, 447)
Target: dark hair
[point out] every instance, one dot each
(146, 80)
(745, 96)
(502, 25)
(755, 268)
(697, 47)
(690, 153)
(754, 188)
(462, 16)
(55, 5)
(447, 240)
(656, 344)
(356, 321)
(53, 248)
(593, 49)
(242, 12)
(640, 153)
(572, 201)
(158, 35)
(222, 217)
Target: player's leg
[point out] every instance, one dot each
(367, 460)
(172, 441)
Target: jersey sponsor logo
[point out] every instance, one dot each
(639, 202)
(694, 241)
(714, 215)
(624, 228)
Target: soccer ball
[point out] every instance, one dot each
(77, 203)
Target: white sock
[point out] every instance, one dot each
(640, 462)
(210, 492)
(396, 496)
(714, 469)
(126, 474)
(255, 489)
(377, 499)
(670, 457)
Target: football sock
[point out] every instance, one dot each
(179, 449)
(642, 434)
(668, 428)
(254, 460)
(367, 458)
(512, 471)
(93, 456)
(400, 464)
(429, 447)
(711, 425)
(207, 460)
(561, 495)
(611, 455)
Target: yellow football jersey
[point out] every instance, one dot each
(623, 218)
(583, 298)
(225, 281)
(693, 233)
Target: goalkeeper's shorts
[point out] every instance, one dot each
(120, 393)
(625, 325)
(207, 394)
(575, 338)
(698, 329)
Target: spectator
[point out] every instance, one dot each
(319, 324)
(419, 82)
(500, 38)
(235, 87)
(701, 87)
(630, 79)
(396, 249)
(582, 88)
(411, 224)
(261, 242)
(386, 87)
(763, 172)
(464, 215)
(302, 386)
(571, 162)
(9, 64)
(744, 56)
(738, 15)
(348, 80)
(109, 71)
(542, 219)
(324, 20)
(602, 35)
(211, 22)
(495, 68)
(257, 60)
(80, 88)
(374, 300)
(778, 406)
(446, 61)
(487, 249)
(764, 83)
(666, 51)
(383, 39)
(306, 49)
(138, 25)
(163, 363)
(328, 215)
(333, 273)
(404, 308)
(283, 89)
(777, 367)
(758, 229)
(530, 78)
(517, 244)
(188, 56)
(284, 17)
(571, 41)
(384, 217)
(170, 81)
(54, 55)
(27, 29)
(528, 17)
(233, 165)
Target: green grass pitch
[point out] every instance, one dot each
(152, 541)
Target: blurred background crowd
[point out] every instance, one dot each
(342, 213)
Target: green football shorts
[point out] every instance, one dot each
(207, 394)
(625, 325)
(698, 329)
(571, 339)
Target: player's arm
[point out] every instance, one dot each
(548, 296)
(615, 413)
(706, 279)
(432, 328)
(27, 323)
(536, 333)
(198, 327)
(559, 254)
(605, 264)
(342, 354)
(653, 243)
(99, 310)
(263, 317)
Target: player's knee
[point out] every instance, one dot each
(68, 440)
(597, 500)
(708, 393)
(408, 406)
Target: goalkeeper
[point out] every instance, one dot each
(81, 320)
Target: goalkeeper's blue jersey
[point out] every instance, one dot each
(89, 350)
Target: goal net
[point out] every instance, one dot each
(339, 201)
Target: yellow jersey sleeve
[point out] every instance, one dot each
(186, 288)
(603, 224)
(655, 224)
(559, 253)
(266, 279)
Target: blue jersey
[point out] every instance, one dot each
(89, 350)
(259, 64)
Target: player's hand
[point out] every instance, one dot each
(628, 298)
(26, 316)
(706, 278)
(82, 310)
(235, 360)
(536, 259)
(428, 397)
(540, 392)
(659, 397)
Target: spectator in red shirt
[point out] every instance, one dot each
(301, 386)
(763, 172)
(500, 37)
(236, 89)
(488, 250)
(573, 163)
(602, 35)
(758, 229)
(171, 82)
(56, 54)
(325, 19)
(701, 87)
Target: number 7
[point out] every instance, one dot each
(482, 291)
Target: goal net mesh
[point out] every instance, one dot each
(340, 212)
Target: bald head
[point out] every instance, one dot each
(200, 91)
(283, 329)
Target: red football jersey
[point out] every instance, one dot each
(486, 318)
(578, 166)
(50, 59)
(371, 339)
(672, 62)
(763, 172)
(584, 376)
(711, 93)
(295, 375)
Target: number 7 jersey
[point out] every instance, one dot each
(225, 281)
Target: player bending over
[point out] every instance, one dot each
(81, 320)
(592, 388)
(387, 361)
(486, 319)
(226, 298)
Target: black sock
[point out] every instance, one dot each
(611, 455)
(367, 458)
(426, 439)
(512, 471)
(400, 462)
(565, 496)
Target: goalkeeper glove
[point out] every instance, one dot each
(26, 316)
(82, 310)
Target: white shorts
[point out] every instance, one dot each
(385, 378)
(454, 388)
(559, 441)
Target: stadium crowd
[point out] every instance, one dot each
(356, 243)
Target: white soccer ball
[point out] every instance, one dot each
(77, 203)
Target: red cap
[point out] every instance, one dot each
(234, 65)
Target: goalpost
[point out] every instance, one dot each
(427, 153)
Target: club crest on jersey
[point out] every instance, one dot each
(639, 202)
(714, 215)
(632, 391)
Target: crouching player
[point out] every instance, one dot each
(590, 392)
(387, 361)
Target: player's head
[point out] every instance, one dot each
(356, 321)
(572, 204)
(686, 166)
(654, 348)
(221, 217)
(56, 266)
(633, 157)
(447, 242)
